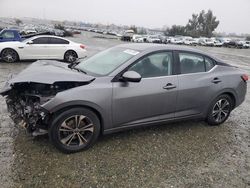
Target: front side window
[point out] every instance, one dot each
(41, 40)
(191, 63)
(158, 64)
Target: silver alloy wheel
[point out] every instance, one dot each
(70, 56)
(221, 110)
(76, 130)
(9, 56)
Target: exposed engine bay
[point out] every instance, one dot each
(24, 102)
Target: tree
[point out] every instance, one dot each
(192, 26)
(175, 30)
(210, 24)
(202, 24)
(18, 21)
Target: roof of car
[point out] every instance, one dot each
(153, 46)
(53, 36)
(148, 46)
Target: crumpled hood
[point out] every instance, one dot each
(49, 72)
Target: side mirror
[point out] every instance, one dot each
(1, 37)
(131, 76)
(30, 42)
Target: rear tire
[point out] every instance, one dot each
(70, 56)
(9, 55)
(74, 130)
(220, 110)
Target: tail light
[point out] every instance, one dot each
(244, 77)
(82, 46)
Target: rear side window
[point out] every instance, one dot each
(41, 40)
(58, 41)
(191, 63)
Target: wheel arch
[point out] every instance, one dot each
(67, 106)
(231, 93)
(18, 57)
(68, 50)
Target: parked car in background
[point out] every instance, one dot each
(42, 47)
(188, 41)
(123, 87)
(209, 42)
(127, 36)
(234, 44)
(225, 41)
(217, 43)
(7, 35)
(138, 38)
(153, 39)
(176, 40)
(246, 44)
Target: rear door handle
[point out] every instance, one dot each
(216, 80)
(169, 86)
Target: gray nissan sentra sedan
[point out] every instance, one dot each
(123, 87)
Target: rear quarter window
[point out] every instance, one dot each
(209, 63)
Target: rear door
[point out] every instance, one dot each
(57, 47)
(199, 81)
(153, 98)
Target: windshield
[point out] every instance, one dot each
(107, 61)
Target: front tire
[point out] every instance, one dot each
(9, 55)
(74, 130)
(220, 110)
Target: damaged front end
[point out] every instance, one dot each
(24, 102)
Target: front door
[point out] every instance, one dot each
(151, 99)
(38, 49)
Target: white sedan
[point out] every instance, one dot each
(42, 47)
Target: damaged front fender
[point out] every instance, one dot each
(25, 100)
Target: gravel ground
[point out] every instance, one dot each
(184, 154)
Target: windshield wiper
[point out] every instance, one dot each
(76, 62)
(79, 70)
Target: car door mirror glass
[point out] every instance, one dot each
(131, 76)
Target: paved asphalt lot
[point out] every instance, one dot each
(184, 154)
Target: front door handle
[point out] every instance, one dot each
(216, 80)
(169, 86)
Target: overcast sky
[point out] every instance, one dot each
(234, 15)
